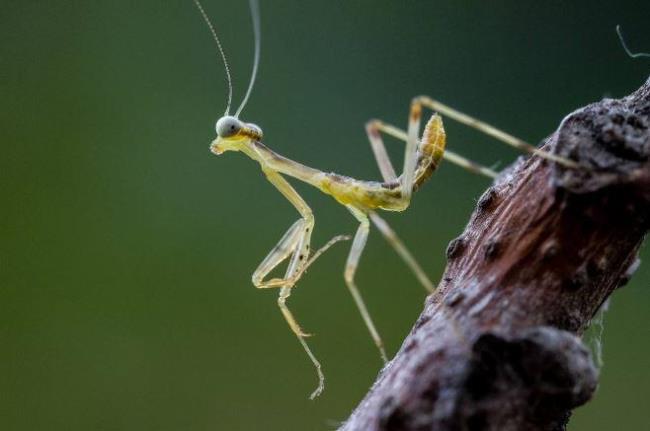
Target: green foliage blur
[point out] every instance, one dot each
(126, 248)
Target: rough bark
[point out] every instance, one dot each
(497, 347)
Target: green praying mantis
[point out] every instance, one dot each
(423, 154)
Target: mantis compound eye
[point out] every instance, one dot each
(228, 126)
(255, 130)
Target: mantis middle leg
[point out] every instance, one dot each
(358, 244)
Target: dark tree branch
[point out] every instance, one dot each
(497, 347)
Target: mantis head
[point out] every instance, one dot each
(232, 133)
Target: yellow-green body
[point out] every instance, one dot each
(422, 155)
(361, 194)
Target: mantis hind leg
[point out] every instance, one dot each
(488, 129)
(402, 251)
(375, 127)
(358, 244)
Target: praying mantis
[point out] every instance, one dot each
(363, 199)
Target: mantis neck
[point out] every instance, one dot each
(269, 160)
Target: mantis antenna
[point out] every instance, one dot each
(627, 50)
(223, 55)
(255, 15)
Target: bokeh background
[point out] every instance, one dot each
(126, 248)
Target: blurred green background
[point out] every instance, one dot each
(127, 248)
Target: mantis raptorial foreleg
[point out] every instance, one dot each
(294, 243)
(284, 294)
(351, 265)
(283, 249)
